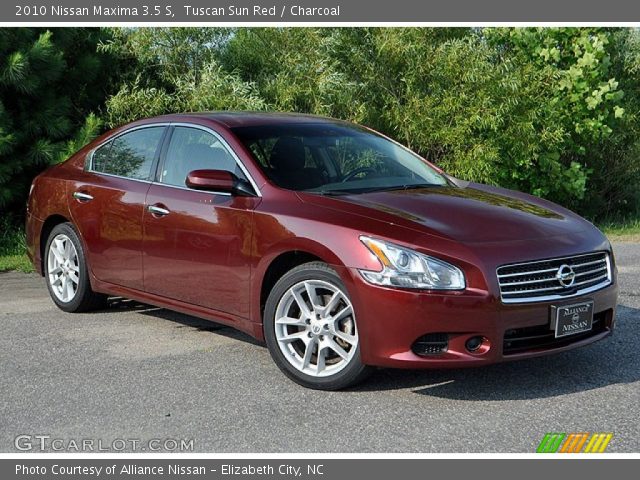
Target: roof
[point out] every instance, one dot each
(245, 119)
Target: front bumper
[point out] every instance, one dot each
(391, 320)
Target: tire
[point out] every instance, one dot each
(65, 271)
(314, 343)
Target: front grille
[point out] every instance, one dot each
(431, 344)
(539, 281)
(540, 337)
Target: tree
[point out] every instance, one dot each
(166, 54)
(535, 109)
(549, 111)
(176, 70)
(49, 81)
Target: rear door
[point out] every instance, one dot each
(107, 204)
(198, 245)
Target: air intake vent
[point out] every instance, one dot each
(541, 337)
(431, 344)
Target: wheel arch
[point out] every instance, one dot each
(280, 261)
(278, 267)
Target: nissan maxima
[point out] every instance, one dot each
(339, 248)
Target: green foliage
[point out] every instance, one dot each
(13, 247)
(88, 131)
(540, 110)
(167, 53)
(176, 70)
(49, 81)
(622, 229)
(293, 69)
(450, 94)
(584, 92)
(133, 102)
(550, 111)
(215, 90)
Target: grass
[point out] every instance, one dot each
(13, 248)
(625, 230)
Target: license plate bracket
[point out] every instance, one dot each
(572, 319)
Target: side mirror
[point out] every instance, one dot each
(218, 181)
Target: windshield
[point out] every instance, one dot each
(334, 159)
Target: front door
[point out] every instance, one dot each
(197, 245)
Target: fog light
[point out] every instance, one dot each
(473, 344)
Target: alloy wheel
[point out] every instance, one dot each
(63, 268)
(315, 328)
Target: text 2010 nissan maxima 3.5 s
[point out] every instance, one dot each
(338, 247)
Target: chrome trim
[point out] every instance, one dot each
(529, 282)
(89, 158)
(553, 259)
(601, 277)
(606, 277)
(533, 272)
(588, 263)
(549, 298)
(84, 197)
(549, 289)
(212, 192)
(120, 177)
(590, 271)
(89, 161)
(158, 210)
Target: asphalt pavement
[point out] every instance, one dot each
(138, 377)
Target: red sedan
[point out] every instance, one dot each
(338, 247)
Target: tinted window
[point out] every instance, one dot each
(100, 157)
(335, 158)
(194, 149)
(130, 155)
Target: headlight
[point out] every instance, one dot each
(405, 268)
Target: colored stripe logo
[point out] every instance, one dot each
(574, 443)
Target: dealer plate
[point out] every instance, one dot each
(574, 318)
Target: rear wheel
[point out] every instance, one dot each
(66, 272)
(310, 329)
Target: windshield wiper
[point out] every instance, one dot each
(329, 193)
(335, 193)
(413, 186)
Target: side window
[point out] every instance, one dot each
(194, 149)
(130, 155)
(100, 157)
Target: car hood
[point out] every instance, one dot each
(472, 213)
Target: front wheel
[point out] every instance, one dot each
(66, 272)
(310, 329)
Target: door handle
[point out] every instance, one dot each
(82, 197)
(158, 211)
